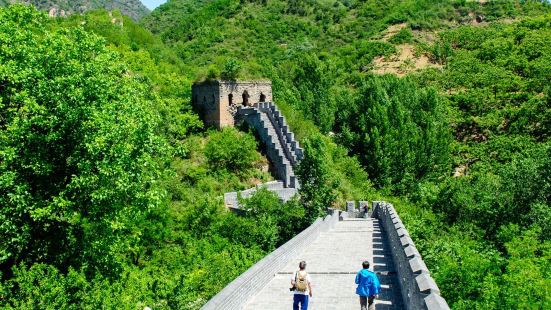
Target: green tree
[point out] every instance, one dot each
(79, 155)
(317, 187)
(399, 131)
(312, 79)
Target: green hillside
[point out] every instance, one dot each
(111, 187)
(276, 30)
(132, 8)
(462, 137)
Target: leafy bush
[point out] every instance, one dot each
(231, 70)
(403, 36)
(287, 218)
(231, 150)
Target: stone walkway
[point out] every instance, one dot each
(333, 261)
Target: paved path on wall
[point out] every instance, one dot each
(333, 261)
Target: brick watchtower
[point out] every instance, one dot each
(216, 101)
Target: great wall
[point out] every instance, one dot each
(334, 246)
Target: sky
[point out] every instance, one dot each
(151, 4)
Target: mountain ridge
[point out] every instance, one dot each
(134, 9)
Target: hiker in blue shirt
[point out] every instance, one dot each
(368, 287)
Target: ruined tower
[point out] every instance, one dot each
(216, 101)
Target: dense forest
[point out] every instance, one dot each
(111, 187)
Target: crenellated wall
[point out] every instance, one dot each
(419, 290)
(287, 139)
(275, 148)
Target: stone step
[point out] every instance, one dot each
(272, 185)
(285, 194)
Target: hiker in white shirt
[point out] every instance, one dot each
(301, 284)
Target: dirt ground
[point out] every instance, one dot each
(407, 59)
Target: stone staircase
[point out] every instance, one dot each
(291, 148)
(281, 148)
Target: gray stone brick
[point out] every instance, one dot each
(402, 232)
(417, 265)
(426, 284)
(436, 302)
(411, 251)
(406, 240)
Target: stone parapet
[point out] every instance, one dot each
(351, 209)
(364, 208)
(238, 293)
(419, 290)
(285, 194)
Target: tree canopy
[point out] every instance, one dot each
(80, 159)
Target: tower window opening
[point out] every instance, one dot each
(245, 98)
